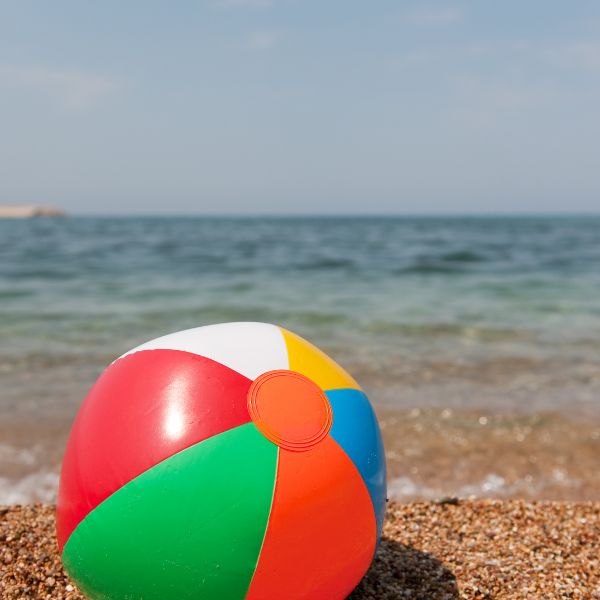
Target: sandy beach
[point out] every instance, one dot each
(474, 549)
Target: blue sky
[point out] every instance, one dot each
(292, 106)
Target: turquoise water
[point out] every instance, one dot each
(377, 292)
(462, 313)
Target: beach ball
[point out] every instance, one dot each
(224, 462)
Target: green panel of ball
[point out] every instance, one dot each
(190, 527)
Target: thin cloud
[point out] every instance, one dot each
(515, 55)
(71, 88)
(511, 95)
(247, 3)
(581, 55)
(263, 40)
(433, 15)
(486, 103)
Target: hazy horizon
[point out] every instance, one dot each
(339, 215)
(289, 107)
(335, 215)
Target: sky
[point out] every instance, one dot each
(299, 106)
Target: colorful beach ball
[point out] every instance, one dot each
(224, 462)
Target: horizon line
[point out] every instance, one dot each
(258, 215)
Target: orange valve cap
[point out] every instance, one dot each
(290, 410)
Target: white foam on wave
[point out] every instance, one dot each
(35, 487)
(404, 488)
(42, 486)
(25, 457)
(492, 485)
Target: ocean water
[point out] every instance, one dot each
(473, 336)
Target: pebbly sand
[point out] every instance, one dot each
(430, 550)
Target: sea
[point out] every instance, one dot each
(477, 339)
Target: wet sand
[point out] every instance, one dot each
(430, 551)
(433, 453)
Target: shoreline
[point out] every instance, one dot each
(463, 549)
(430, 453)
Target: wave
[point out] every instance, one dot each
(42, 486)
(35, 487)
(491, 485)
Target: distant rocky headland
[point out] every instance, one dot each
(27, 211)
